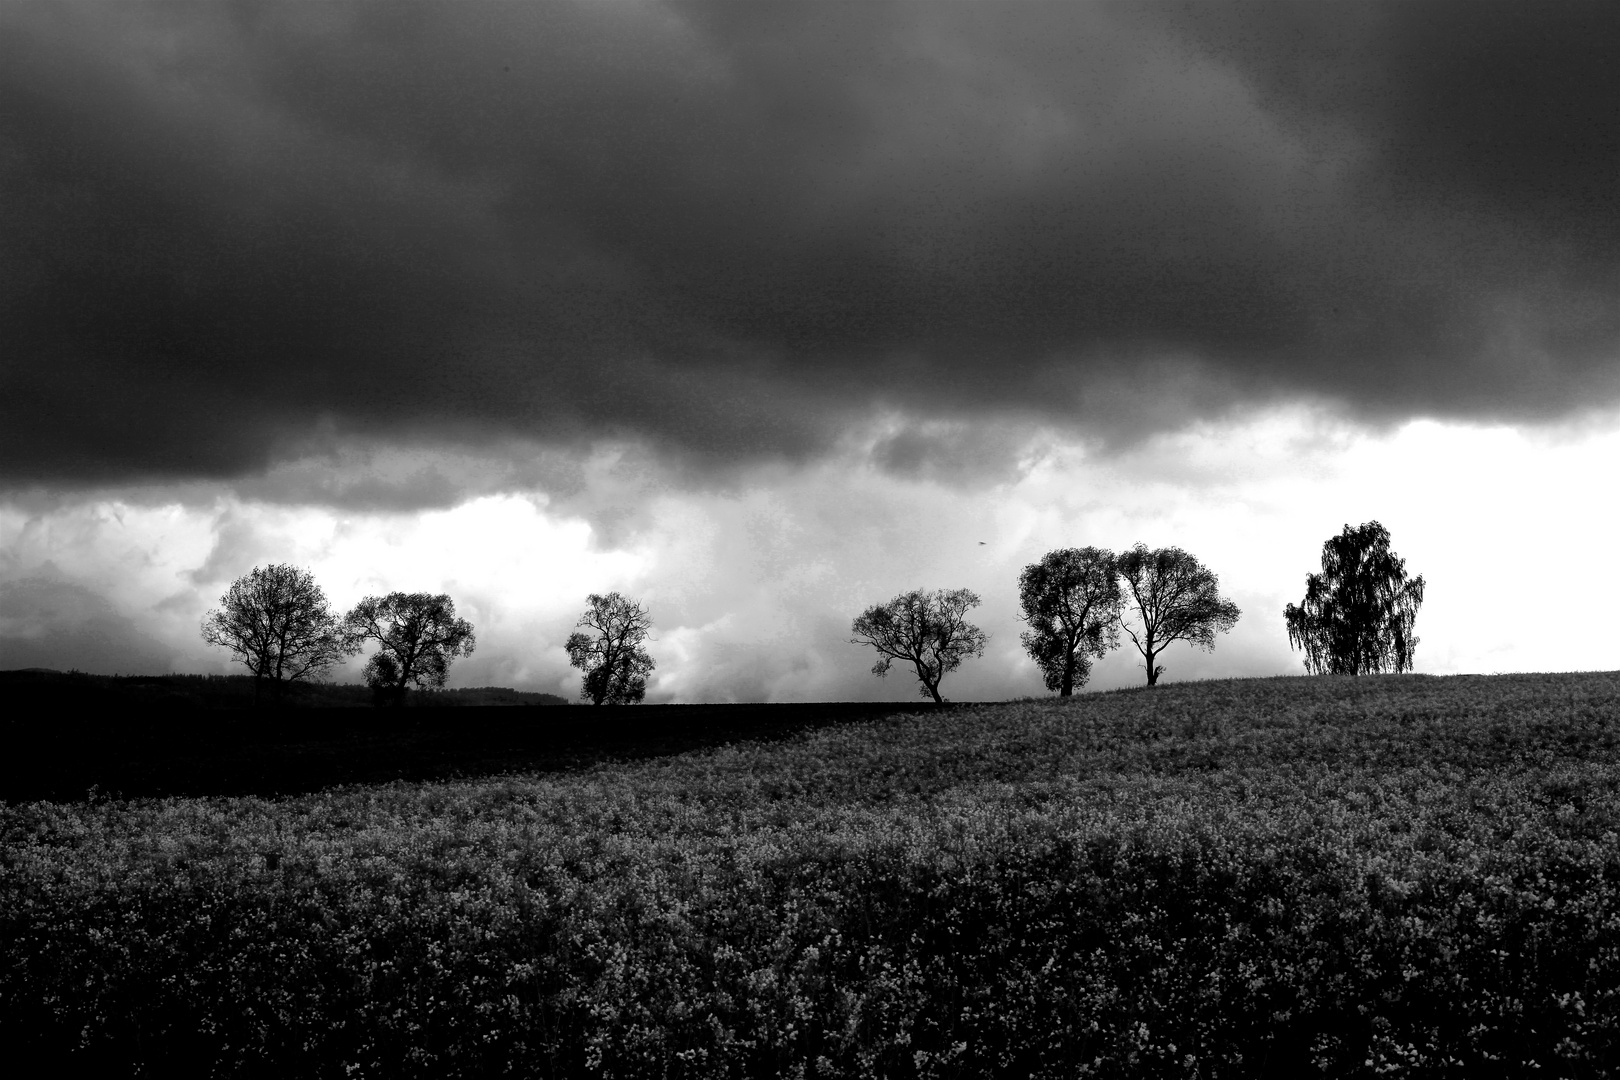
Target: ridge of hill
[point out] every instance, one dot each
(48, 688)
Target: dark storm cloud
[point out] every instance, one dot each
(231, 234)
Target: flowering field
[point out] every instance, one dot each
(1389, 875)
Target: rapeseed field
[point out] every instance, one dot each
(1398, 875)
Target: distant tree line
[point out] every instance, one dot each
(1357, 617)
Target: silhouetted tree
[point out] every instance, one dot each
(278, 622)
(609, 652)
(1173, 598)
(418, 635)
(927, 630)
(1360, 611)
(1071, 601)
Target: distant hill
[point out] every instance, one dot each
(45, 688)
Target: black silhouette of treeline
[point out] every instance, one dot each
(45, 688)
(71, 736)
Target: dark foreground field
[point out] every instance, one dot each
(1407, 876)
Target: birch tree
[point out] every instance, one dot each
(1360, 613)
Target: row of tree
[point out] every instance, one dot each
(1076, 601)
(278, 622)
(1357, 617)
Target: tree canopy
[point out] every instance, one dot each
(278, 622)
(1071, 600)
(609, 650)
(1359, 613)
(418, 635)
(928, 630)
(1173, 597)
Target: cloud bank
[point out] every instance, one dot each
(242, 238)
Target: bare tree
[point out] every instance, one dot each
(418, 635)
(927, 630)
(610, 653)
(1174, 598)
(278, 622)
(1071, 601)
(1360, 612)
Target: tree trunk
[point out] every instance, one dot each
(1067, 689)
(1152, 671)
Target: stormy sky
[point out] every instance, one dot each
(767, 312)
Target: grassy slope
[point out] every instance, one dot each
(1225, 878)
